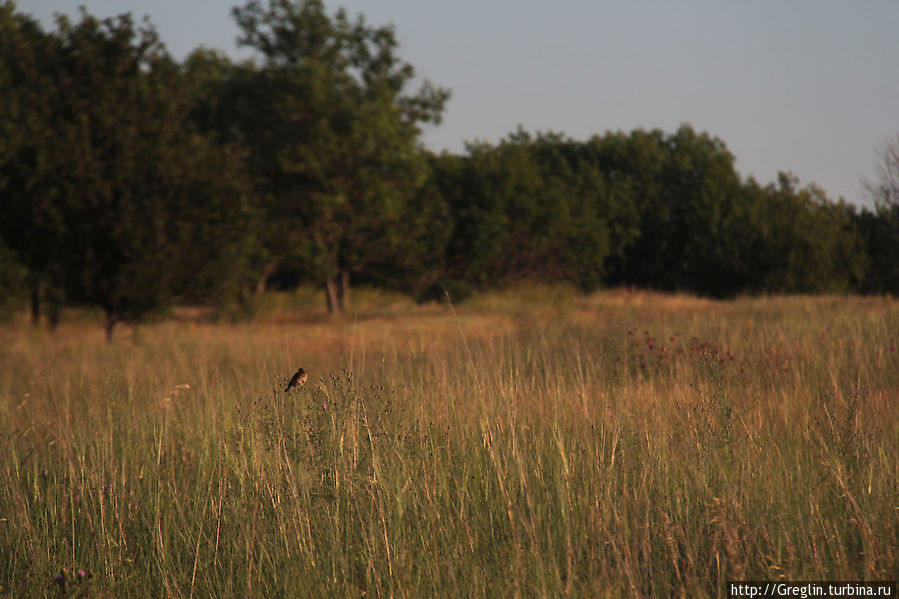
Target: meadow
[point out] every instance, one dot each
(521, 444)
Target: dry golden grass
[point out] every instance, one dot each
(527, 443)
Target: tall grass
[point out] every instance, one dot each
(619, 445)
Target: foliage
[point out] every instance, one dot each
(684, 186)
(537, 209)
(879, 228)
(13, 282)
(130, 181)
(112, 196)
(332, 138)
(646, 209)
(796, 241)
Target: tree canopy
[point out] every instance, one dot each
(130, 181)
(110, 194)
(332, 138)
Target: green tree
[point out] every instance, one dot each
(28, 218)
(121, 196)
(603, 204)
(535, 208)
(333, 141)
(798, 241)
(684, 187)
(13, 281)
(880, 226)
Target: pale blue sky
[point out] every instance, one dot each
(808, 86)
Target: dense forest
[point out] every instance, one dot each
(130, 181)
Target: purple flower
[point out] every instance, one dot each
(324, 406)
(81, 573)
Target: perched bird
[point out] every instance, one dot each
(296, 380)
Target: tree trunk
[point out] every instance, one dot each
(110, 327)
(343, 295)
(54, 298)
(53, 315)
(38, 289)
(267, 272)
(332, 295)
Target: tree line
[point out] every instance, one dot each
(130, 181)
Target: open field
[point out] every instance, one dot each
(529, 444)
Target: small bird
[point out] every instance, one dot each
(296, 380)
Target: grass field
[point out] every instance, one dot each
(529, 444)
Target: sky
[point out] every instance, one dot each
(806, 86)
